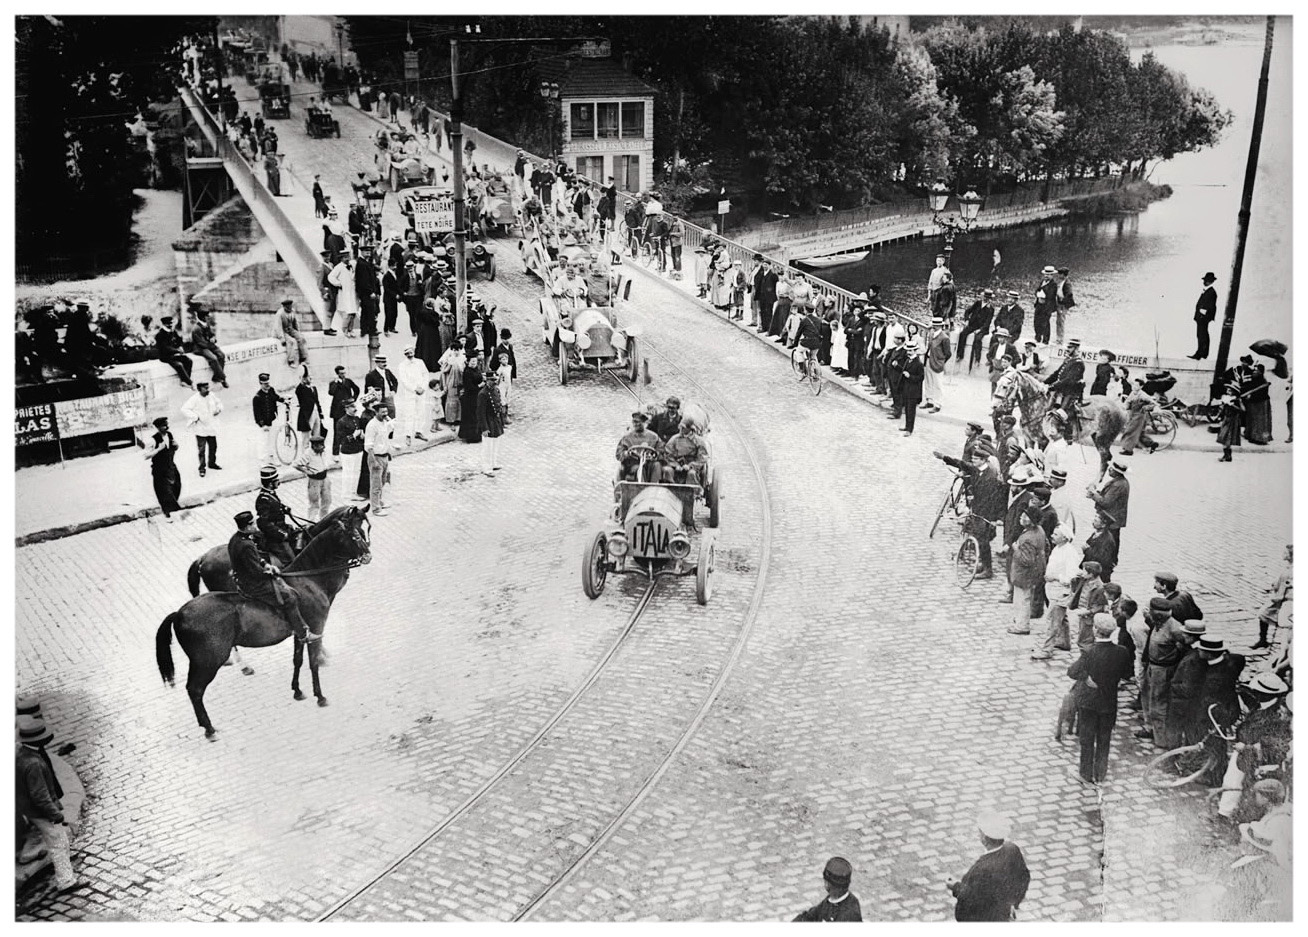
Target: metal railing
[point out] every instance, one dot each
(303, 262)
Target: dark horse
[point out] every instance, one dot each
(210, 626)
(214, 569)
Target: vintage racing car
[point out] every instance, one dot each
(651, 534)
(319, 123)
(584, 337)
(496, 209)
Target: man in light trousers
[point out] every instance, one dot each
(379, 444)
(313, 463)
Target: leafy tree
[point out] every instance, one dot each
(80, 81)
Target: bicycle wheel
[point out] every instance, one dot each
(1162, 428)
(797, 362)
(966, 560)
(287, 444)
(815, 376)
(944, 506)
(1178, 767)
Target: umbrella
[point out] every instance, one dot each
(1271, 348)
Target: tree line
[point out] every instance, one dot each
(797, 112)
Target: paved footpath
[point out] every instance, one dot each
(874, 709)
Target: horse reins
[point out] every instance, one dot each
(356, 562)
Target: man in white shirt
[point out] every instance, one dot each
(1063, 565)
(937, 277)
(1062, 500)
(379, 444)
(411, 398)
(201, 412)
(569, 285)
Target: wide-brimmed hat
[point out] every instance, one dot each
(1268, 683)
(1118, 466)
(1049, 269)
(1194, 627)
(1212, 644)
(32, 730)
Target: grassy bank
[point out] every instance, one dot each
(1134, 197)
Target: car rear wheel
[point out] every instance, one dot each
(704, 571)
(563, 363)
(594, 568)
(713, 495)
(633, 360)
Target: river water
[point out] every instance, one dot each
(1136, 277)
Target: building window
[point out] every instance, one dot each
(591, 167)
(583, 122)
(607, 121)
(629, 173)
(633, 119)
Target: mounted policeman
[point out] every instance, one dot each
(280, 538)
(257, 579)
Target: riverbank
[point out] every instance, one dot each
(1133, 197)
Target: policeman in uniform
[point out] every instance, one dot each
(278, 536)
(257, 579)
(839, 904)
(1068, 382)
(686, 456)
(638, 436)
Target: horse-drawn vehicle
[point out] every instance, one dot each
(653, 530)
(334, 86)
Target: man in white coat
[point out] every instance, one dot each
(201, 412)
(347, 302)
(411, 398)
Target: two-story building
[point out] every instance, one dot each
(607, 118)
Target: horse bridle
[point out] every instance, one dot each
(353, 563)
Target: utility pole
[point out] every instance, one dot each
(1242, 220)
(456, 144)
(340, 44)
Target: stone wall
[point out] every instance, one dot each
(212, 246)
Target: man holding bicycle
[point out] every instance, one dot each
(989, 499)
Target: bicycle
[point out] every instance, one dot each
(968, 556)
(286, 441)
(956, 500)
(807, 367)
(1176, 768)
(1192, 413)
(1160, 426)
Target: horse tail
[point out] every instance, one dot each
(193, 578)
(163, 647)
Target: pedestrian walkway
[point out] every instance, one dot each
(98, 491)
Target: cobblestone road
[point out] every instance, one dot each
(875, 708)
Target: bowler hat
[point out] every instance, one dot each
(1210, 277)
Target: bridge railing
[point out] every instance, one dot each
(497, 150)
(303, 262)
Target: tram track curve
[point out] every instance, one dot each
(435, 833)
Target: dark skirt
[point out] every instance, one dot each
(1229, 434)
(1260, 420)
(780, 314)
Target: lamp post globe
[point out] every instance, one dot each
(938, 196)
(969, 205)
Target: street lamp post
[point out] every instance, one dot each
(969, 207)
(375, 201)
(549, 90)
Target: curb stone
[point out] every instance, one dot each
(186, 504)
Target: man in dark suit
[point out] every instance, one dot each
(1113, 498)
(343, 392)
(1011, 316)
(976, 321)
(910, 392)
(382, 380)
(840, 903)
(896, 359)
(1100, 669)
(764, 288)
(989, 498)
(997, 882)
(1205, 310)
(1183, 604)
(1068, 382)
(168, 342)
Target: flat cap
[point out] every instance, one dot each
(1167, 579)
(838, 871)
(1160, 604)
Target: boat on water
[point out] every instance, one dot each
(833, 260)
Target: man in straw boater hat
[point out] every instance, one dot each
(995, 885)
(840, 904)
(1112, 497)
(39, 798)
(313, 463)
